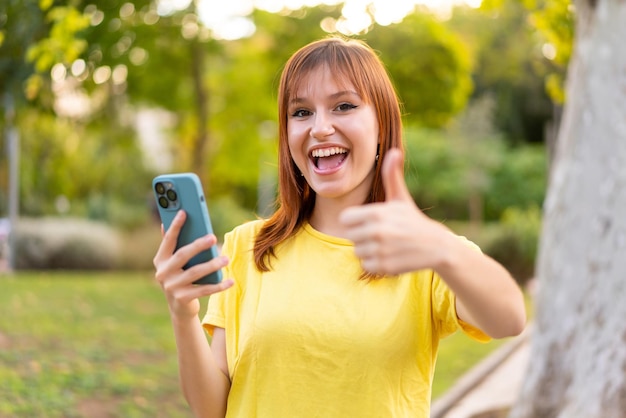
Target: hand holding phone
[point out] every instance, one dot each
(174, 192)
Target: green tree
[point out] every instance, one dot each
(123, 56)
(554, 21)
(429, 64)
(520, 180)
(33, 36)
(62, 154)
(450, 172)
(508, 65)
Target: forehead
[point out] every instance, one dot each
(322, 76)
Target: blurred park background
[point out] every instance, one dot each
(99, 97)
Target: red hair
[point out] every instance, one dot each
(353, 62)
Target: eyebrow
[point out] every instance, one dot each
(341, 93)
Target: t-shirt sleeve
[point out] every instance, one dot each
(214, 316)
(444, 308)
(444, 311)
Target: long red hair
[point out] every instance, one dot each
(353, 62)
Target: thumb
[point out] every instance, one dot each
(393, 176)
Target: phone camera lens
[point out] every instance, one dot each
(171, 195)
(163, 202)
(160, 189)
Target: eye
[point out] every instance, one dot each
(346, 106)
(300, 113)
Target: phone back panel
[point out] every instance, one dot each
(190, 198)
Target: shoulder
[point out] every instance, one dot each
(242, 237)
(250, 226)
(248, 229)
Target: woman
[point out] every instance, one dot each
(339, 300)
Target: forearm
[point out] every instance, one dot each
(487, 296)
(203, 383)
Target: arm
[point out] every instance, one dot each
(202, 368)
(486, 294)
(394, 237)
(203, 372)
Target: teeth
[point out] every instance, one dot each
(327, 152)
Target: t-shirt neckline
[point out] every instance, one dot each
(325, 237)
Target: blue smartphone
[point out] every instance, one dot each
(174, 192)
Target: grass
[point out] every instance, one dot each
(86, 345)
(100, 345)
(457, 354)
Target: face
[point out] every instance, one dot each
(333, 137)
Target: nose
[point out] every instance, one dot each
(322, 126)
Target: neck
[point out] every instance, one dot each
(325, 216)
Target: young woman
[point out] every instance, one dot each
(333, 307)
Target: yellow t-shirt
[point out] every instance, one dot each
(309, 339)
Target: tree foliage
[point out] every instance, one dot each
(554, 20)
(466, 171)
(108, 60)
(509, 66)
(16, 36)
(429, 65)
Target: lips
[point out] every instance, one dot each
(327, 159)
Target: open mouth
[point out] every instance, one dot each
(328, 158)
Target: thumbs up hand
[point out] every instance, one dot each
(394, 236)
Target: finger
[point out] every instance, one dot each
(357, 215)
(187, 252)
(209, 289)
(168, 243)
(204, 269)
(370, 265)
(170, 267)
(176, 225)
(187, 294)
(366, 249)
(185, 278)
(370, 230)
(393, 176)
